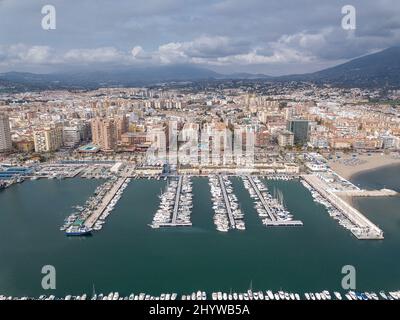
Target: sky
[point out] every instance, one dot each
(273, 37)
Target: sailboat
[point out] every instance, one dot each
(250, 291)
(94, 295)
(280, 198)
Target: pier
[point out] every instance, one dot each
(364, 229)
(261, 198)
(273, 221)
(176, 216)
(91, 220)
(368, 193)
(227, 203)
(292, 223)
(171, 224)
(177, 196)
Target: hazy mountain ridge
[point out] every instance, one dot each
(377, 69)
(381, 69)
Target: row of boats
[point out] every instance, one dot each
(353, 295)
(332, 211)
(185, 204)
(110, 207)
(150, 177)
(283, 177)
(227, 212)
(269, 207)
(77, 218)
(231, 296)
(175, 204)
(324, 295)
(74, 224)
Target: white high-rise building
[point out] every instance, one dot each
(48, 139)
(286, 139)
(5, 134)
(71, 136)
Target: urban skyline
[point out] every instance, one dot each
(187, 150)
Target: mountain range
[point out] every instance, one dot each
(381, 69)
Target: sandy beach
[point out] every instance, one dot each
(347, 166)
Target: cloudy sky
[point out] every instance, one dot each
(260, 36)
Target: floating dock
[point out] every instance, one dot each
(176, 205)
(274, 221)
(175, 211)
(227, 203)
(261, 198)
(171, 224)
(292, 223)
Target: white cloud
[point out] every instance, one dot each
(224, 51)
(97, 55)
(23, 54)
(137, 51)
(247, 33)
(310, 49)
(204, 50)
(37, 54)
(170, 53)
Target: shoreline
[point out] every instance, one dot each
(349, 167)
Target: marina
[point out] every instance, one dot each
(213, 152)
(227, 212)
(347, 216)
(176, 204)
(108, 202)
(270, 209)
(149, 251)
(92, 215)
(60, 170)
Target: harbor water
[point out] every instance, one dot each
(129, 256)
